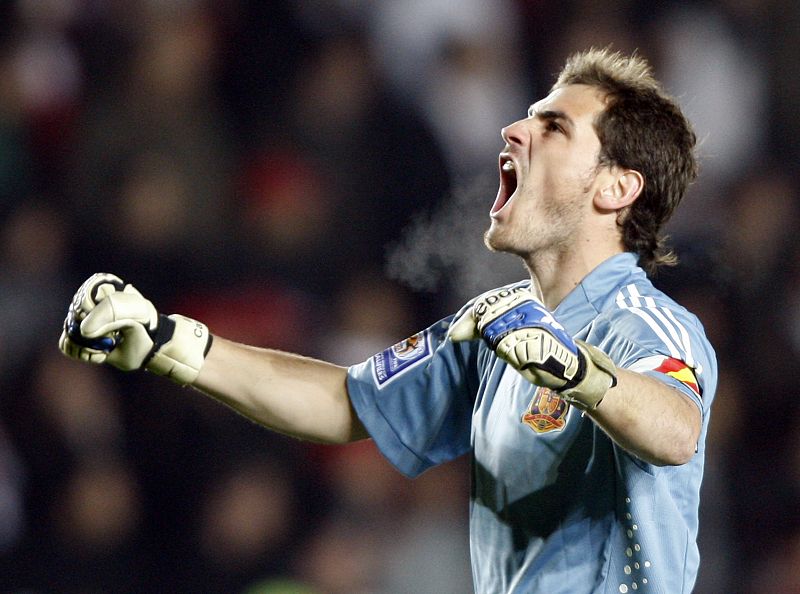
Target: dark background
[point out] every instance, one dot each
(316, 176)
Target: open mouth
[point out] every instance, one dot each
(508, 183)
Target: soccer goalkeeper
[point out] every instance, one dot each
(582, 394)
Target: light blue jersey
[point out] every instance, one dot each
(556, 506)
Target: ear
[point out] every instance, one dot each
(621, 189)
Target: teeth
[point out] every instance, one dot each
(508, 166)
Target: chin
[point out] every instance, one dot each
(496, 241)
(490, 239)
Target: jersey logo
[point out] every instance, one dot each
(546, 412)
(401, 357)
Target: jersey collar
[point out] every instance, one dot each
(586, 300)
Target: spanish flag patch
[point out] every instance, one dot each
(680, 371)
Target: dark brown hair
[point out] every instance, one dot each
(641, 128)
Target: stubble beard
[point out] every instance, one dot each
(550, 232)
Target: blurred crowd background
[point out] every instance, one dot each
(315, 175)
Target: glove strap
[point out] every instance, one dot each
(180, 346)
(162, 335)
(597, 374)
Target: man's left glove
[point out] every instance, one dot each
(109, 321)
(526, 335)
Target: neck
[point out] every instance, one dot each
(555, 275)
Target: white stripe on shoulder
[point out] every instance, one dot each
(635, 297)
(671, 333)
(671, 327)
(673, 350)
(685, 340)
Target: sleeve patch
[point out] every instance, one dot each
(669, 366)
(402, 357)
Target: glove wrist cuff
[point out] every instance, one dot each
(179, 354)
(601, 374)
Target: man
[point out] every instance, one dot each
(583, 394)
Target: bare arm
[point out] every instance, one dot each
(291, 394)
(650, 419)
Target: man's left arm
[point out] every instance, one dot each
(648, 418)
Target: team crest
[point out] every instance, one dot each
(401, 357)
(546, 412)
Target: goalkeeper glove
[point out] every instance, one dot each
(109, 321)
(526, 335)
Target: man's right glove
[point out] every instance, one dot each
(526, 335)
(109, 321)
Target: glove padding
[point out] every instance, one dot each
(526, 335)
(111, 322)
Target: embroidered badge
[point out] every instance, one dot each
(546, 412)
(401, 357)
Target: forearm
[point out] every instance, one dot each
(291, 394)
(650, 419)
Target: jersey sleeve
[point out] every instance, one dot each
(415, 398)
(664, 342)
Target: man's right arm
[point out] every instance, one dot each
(288, 393)
(109, 321)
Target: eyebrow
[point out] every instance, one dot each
(551, 114)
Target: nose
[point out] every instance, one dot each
(515, 133)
